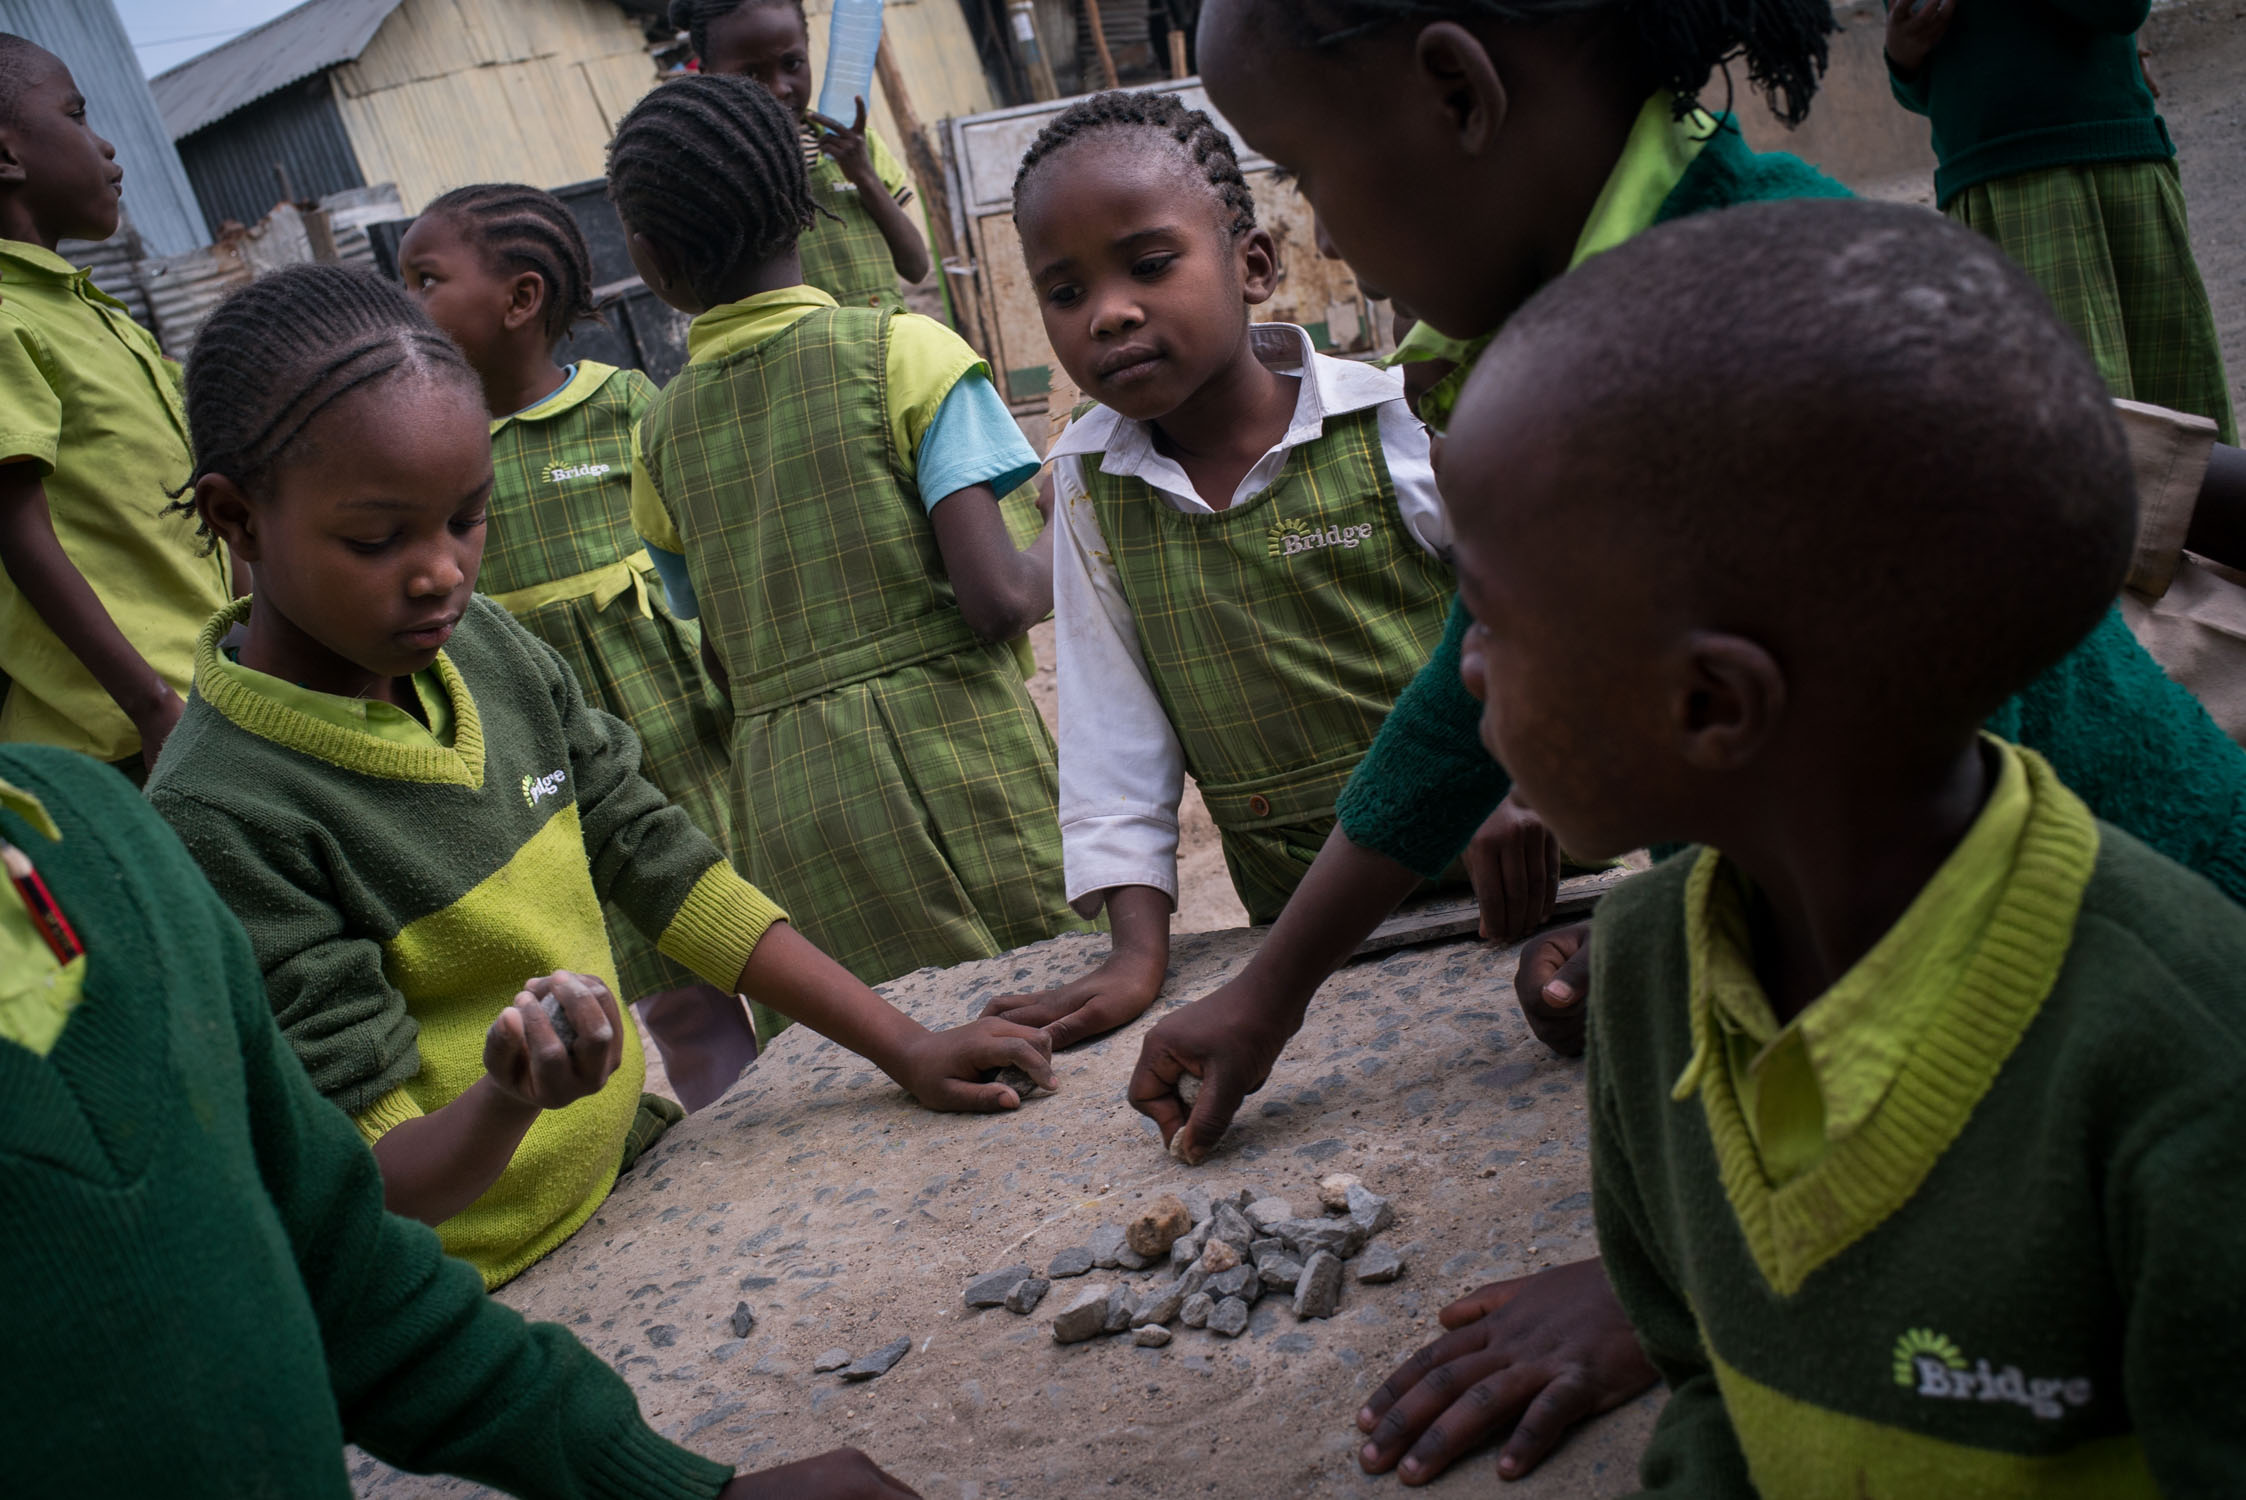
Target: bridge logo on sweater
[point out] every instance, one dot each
(563, 473)
(1293, 538)
(537, 789)
(1932, 1366)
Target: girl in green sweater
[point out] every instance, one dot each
(407, 800)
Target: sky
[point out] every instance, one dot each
(165, 32)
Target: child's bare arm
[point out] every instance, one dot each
(2218, 525)
(1915, 28)
(1002, 592)
(844, 1474)
(942, 1069)
(437, 1164)
(1118, 991)
(847, 144)
(59, 593)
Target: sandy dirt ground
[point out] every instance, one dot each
(843, 1216)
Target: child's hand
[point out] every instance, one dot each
(1228, 1040)
(1515, 864)
(1553, 984)
(1915, 28)
(1537, 1354)
(527, 1060)
(1117, 992)
(844, 1474)
(847, 145)
(944, 1069)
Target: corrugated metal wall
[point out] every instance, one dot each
(231, 163)
(452, 92)
(87, 35)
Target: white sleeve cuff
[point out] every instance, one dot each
(1101, 854)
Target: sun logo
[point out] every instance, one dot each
(1924, 1341)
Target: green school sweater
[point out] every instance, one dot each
(398, 896)
(2019, 85)
(206, 1298)
(2020, 1276)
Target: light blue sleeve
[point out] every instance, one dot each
(678, 589)
(974, 440)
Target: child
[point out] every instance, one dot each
(207, 1287)
(101, 593)
(407, 800)
(863, 238)
(503, 269)
(1249, 564)
(829, 477)
(1885, 1031)
(2050, 144)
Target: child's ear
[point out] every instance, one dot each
(1458, 78)
(526, 301)
(227, 511)
(656, 267)
(1728, 701)
(1259, 266)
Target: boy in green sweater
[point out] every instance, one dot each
(1896, 1197)
(2049, 143)
(206, 1295)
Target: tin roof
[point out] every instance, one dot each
(293, 46)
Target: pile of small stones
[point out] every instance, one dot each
(1223, 1254)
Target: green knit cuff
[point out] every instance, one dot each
(637, 1464)
(719, 925)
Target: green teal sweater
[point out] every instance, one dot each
(205, 1297)
(2020, 1278)
(2019, 85)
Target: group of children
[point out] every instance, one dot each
(535, 667)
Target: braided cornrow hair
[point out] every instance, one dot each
(527, 229)
(285, 348)
(1674, 44)
(694, 17)
(1191, 130)
(711, 170)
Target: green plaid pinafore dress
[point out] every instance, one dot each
(895, 788)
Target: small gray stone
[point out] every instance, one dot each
(1280, 1273)
(880, 1362)
(1196, 1200)
(1318, 1292)
(1262, 1250)
(1369, 1210)
(1243, 1198)
(1342, 1238)
(1160, 1305)
(1187, 1248)
(1333, 1191)
(1111, 1251)
(1074, 1261)
(662, 1335)
(1241, 1281)
(1188, 1089)
(1025, 1087)
(1152, 1336)
(1228, 1224)
(1378, 1264)
(1120, 1306)
(1265, 1212)
(1195, 1312)
(833, 1359)
(1194, 1278)
(1230, 1318)
(1027, 1294)
(1084, 1318)
(744, 1320)
(564, 1031)
(990, 1289)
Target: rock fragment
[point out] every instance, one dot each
(1370, 1211)
(1157, 1227)
(1074, 1261)
(1188, 1089)
(880, 1362)
(1220, 1255)
(1378, 1264)
(1281, 1273)
(564, 1030)
(833, 1359)
(1318, 1292)
(1265, 1212)
(1027, 1294)
(1084, 1318)
(1341, 1238)
(990, 1289)
(1120, 1306)
(1333, 1191)
(1243, 1282)
(1111, 1250)
(1230, 1318)
(1228, 1224)
(744, 1320)
(1195, 1312)
(1152, 1336)
(1264, 1248)
(1025, 1087)
(1160, 1305)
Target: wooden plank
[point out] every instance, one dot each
(1445, 918)
(1099, 42)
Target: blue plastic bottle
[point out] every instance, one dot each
(851, 44)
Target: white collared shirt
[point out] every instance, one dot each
(1122, 770)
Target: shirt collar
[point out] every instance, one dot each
(37, 261)
(750, 321)
(29, 808)
(1330, 388)
(586, 378)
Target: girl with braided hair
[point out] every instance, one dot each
(1249, 550)
(504, 270)
(866, 235)
(416, 814)
(826, 480)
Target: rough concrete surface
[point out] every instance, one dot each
(846, 1217)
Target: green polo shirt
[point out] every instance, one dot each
(87, 396)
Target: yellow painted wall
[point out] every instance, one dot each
(452, 92)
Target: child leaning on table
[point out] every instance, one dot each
(205, 1287)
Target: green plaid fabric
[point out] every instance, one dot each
(896, 789)
(2109, 244)
(848, 260)
(1279, 634)
(561, 506)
